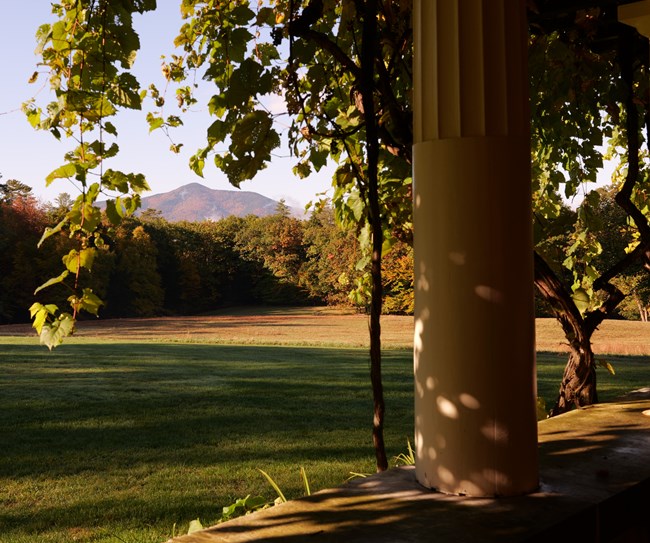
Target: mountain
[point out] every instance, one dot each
(196, 202)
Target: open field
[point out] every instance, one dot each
(135, 426)
(322, 327)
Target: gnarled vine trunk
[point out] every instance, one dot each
(578, 387)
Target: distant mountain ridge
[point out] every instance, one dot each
(195, 203)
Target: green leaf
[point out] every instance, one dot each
(42, 37)
(217, 106)
(244, 83)
(113, 213)
(51, 231)
(40, 313)
(607, 366)
(125, 93)
(243, 506)
(242, 14)
(318, 158)
(238, 44)
(154, 122)
(274, 485)
(138, 182)
(86, 216)
(305, 481)
(52, 335)
(110, 128)
(72, 261)
(59, 36)
(581, 299)
(218, 131)
(65, 171)
(301, 170)
(115, 180)
(53, 281)
(90, 302)
(356, 204)
(266, 16)
(87, 257)
(33, 116)
(197, 163)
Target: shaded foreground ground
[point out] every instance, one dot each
(594, 487)
(323, 326)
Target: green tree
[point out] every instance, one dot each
(344, 73)
(331, 255)
(273, 248)
(61, 206)
(399, 293)
(135, 287)
(346, 84)
(584, 91)
(617, 235)
(13, 189)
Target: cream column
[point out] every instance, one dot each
(474, 356)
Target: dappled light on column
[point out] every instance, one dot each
(476, 430)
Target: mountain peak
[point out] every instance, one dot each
(195, 202)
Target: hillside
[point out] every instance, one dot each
(195, 202)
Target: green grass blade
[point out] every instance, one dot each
(305, 481)
(274, 485)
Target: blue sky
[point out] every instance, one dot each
(29, 155)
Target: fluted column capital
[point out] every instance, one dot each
(470, 69)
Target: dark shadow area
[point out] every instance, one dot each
(104, 413)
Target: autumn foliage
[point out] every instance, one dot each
(153, 267)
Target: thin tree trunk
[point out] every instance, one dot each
(368, 57)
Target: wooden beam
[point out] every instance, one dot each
(636, 15)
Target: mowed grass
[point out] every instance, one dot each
(118, 442)
(127, 441)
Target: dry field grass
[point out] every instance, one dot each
(612, 337)
(322, 326)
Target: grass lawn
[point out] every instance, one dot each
(124, 442)
(119, 442)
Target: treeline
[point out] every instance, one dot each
(152, 267)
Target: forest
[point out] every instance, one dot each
(151, 267)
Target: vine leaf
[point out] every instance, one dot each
(53, 281)
(53, 334)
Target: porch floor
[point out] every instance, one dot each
(595, 486)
